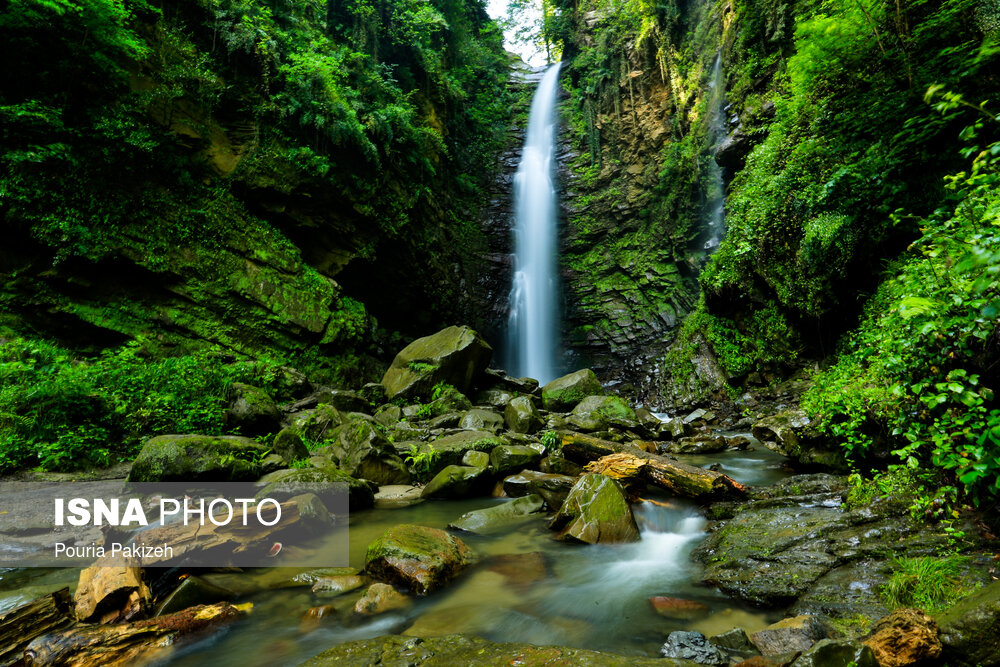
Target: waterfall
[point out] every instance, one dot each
(533, 329)
(715, 195)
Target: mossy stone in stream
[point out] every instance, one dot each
(837, 653)
(497, 517)
(595, 511)
(970, 630)
(418, 558)
(505, 459)
(450, 449)
(451, 650)
(456, 356)
(198, 458)
(457, 482)
(328, 483)
(562, 394)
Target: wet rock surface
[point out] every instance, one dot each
(418, 558)
(596, 510)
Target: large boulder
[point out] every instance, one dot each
(498, 517)
(198, 458)
(522, 416)
(449, 449)
(970, 630)
(289, 446)
(251, 410)
(316, 425)
(905, 637)
(597, 413)
(479, 419)
(456, 356)
(505, 459)
(794, 434)
(562, 394)
(327, 483)
(359, 449)
(596, 510)
(418, 558)
(457, 482)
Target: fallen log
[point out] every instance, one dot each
(127, 644)
(112, 593)
(32, 619)
(628, 462)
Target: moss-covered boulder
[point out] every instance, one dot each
(251, 410)
(498, 517)
(553, 488)
(457, 482)
(562, 394)
(317, 424)
(327, 483)
(597, 413)
(794, 434)
(505, 459)
(381, 598)
(596, 510)
(479, 419)
(521, 415)
(361, 450)
(417, 558)
(289, 446)
(456, 356)
(838, 653)
(198, 458)
(970, 631)
(449, 449)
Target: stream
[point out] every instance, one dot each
(526, 587)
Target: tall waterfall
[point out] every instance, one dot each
(715, 195)
(533, 329)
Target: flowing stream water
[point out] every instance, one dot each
(533, 329)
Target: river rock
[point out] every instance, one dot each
(791, 634)
(381, 598)
(521, 570)
(600, 412)
(359, 449)
(498, 379)
(970, 630)
(675, 428)
(704, 443)
(497, 517)
(562, 394)
(316, 616)
(193, 590)
(478, 419)
(398, 495)
(497, 398)
(558, 464)
(327, 483)
(678, 608)
(694, 647)
(840, 653)
(389, 415)
(505, 459)
(251, 410)
(338, 584)
(419, 558)
(198, 458)
(316, 425)
(903, 638)
(449, 449)
(595, 511)
(552, 488)
(736, 643)
(476, 459)
(793, 433)
(521, 416)
(457, 482)
(456, 356)
(467, 650)
(289, 446)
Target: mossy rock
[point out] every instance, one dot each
(289, 446)
(562, 394)
(970, 630)
(596, 511)
(418, 558)
(521, 415)
(498, 517)
(317, 424)
(359, 446)
(457, 482)
(455, 356)
(505, 459)
(479, 419)
(251, 410)
(198, 458)
(450, 449)
(325, 482)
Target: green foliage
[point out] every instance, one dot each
(64, 412)
(929, 583)
(421, 462)
(301, 463)
(551, 441)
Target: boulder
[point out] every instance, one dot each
(476, 459)
(338, 584)
(699, 444)
(418, 558)
(841, 653)
(498, 517)
(380, 598)
(398, 495)
(457, 482)
(694, 647)
(374, 393)
(793, 433)
(505, 459)
(456, 356)
(289, 446)
(478, 419)
(359, 449)
(970, 630)
(497, 398)
(345, 400)
(521, 415)
(251, 410)
(450, 449)
(389, 415)
(198, 458)
(558, 464)
(317, 424)
(735, 642)
(600, 412)
(595, 511)
(552, 488)
(499, 380)
(798, 633)
(562, 394)
(327, 483)
(903, 638)
(676, 428)
(193, 590)
(678, 608)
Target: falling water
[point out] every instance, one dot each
(534, 311)
(715, 196)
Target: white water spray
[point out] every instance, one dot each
(715, 196)
(533, 329)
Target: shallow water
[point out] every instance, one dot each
(525, 588)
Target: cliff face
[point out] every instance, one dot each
(268, 180)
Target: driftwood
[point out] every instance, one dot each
(127, 644)
(32, 619)
(628, 462)
(111, 594)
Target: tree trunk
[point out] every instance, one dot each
(32, 619)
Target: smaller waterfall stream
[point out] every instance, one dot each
(715, 194)
(533, 329)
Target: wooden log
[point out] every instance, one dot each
(111, 594)
(624, 460)
(139, 643)
(32, 619)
